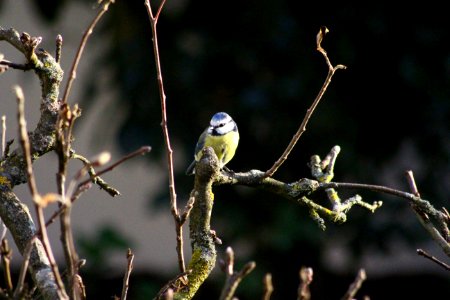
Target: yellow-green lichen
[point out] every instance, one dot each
(4, 181)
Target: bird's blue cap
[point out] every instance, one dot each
(220, 117)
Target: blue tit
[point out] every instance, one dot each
(222, 135)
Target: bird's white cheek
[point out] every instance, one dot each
(225, 129)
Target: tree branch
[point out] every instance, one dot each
(331, 70)
(355, 286)
(203, 249)
(86, 35)
(233, 278)
(173, 196)
(12, 211)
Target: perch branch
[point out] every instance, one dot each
(202, 242)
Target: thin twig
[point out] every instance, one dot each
(168, 295)
(126, 279)
(141, 151)
(370, 187)
(74, 197)
(3, 135)
(85, 185)
(6, 254)
(86, 34)
(188, 208)
(65, 124)
(355, 286)
(25, 143)
(24, 267)
(59, 43)
(412, 183)
(434, 259)
(268, 287)
(442, 236)
(331, 70)
(171, 283)
(23, 67)
(173, 196)
(306, 277)
(233, 278)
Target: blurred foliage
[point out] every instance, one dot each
(99, 247)
(256, 60)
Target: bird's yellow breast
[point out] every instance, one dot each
(224, 146)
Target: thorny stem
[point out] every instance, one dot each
(87, 33)
(25, 143)
(310, 111)
(173, 197)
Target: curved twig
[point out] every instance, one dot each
(331, 70)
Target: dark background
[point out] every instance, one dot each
(257, 60)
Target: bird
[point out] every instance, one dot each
(222, 135)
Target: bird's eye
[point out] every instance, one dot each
(221, 124)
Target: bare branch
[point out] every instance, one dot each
(24, 268)
(6, 254)
(424, 211)
(86, 35)
(59, 43)
(95, 175)
(306, 277)
(173, 283)
(268, 287)
(233, 278)
(24, 140)
(3, 135)
(434, 259)
(169, 151)
(355, 286)
(310, 111)
(126, 279)
(202, 242)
